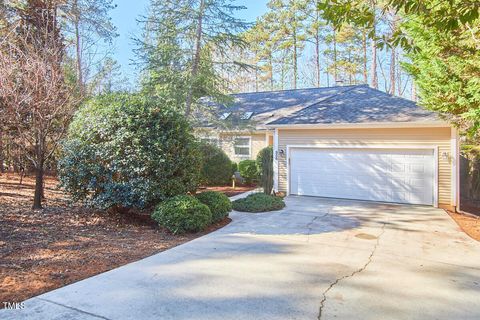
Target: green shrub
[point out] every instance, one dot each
(129, 151)
(218, 203)
(217, 167)
(265, 168)
(258, 202)
(248, 170)
(182, 214)
(234, 167)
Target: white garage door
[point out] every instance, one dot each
(403, 176)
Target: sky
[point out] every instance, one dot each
(127, 13)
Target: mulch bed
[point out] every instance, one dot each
(228, 190)
(468, 223)
(64, 243)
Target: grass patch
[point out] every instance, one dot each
(258, 202)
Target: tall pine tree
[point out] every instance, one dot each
(193, 38)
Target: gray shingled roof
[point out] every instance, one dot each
(334, 105)
(271, 105)
(268, 101)
(359, 104)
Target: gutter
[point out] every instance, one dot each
(366, 125)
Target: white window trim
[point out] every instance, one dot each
(366, 147)
(243, 146)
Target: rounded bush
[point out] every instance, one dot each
(217, 167)
(128, 151)
(182, 214)
(218, 203)
(258, 202)
(248, 170)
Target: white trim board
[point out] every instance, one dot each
(455, 164)
(434, 148)
(275, 160)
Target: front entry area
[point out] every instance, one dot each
(374, 174)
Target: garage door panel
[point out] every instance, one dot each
(404, 176)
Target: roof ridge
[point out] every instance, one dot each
(398, 97)
(298, 89)
(321, 101)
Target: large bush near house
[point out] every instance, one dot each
(248, 170)
(217, 167)
(258, 202)
(218, 203)
(182, 214)
(265, 168)
(128, 151)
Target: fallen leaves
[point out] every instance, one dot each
(64, 243)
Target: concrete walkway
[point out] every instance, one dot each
(318, 258)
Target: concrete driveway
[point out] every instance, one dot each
(318, 258)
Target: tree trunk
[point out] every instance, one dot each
(37, 200)
(271, 71)
(374, 75)
(393, 56)
(317, 59)
(2, 153)
(335, 56)
(393, 70)
(295, 70)
(196, 58)
(373, 70)
(414, 91)
(400, 88)
(317, 48)
(364, 45)
(282, 71)
(256, 76)
(78, 47)
(350, 76)
(39, 170)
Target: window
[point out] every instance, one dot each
(242, 147)
(246, 115)
(225, 115)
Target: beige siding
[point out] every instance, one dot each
(402, 137)
(258, 142)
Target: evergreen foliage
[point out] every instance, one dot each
(182, 214)
(258, 202)
(265, 168)
(128, 151)
(248, 170)
(442, 39)
(218, 203)
(217, 167)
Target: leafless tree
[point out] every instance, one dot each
(35, 97)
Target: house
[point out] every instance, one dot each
(351, 142)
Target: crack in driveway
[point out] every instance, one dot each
(309, 225)
(333, 284)
(74, 309)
